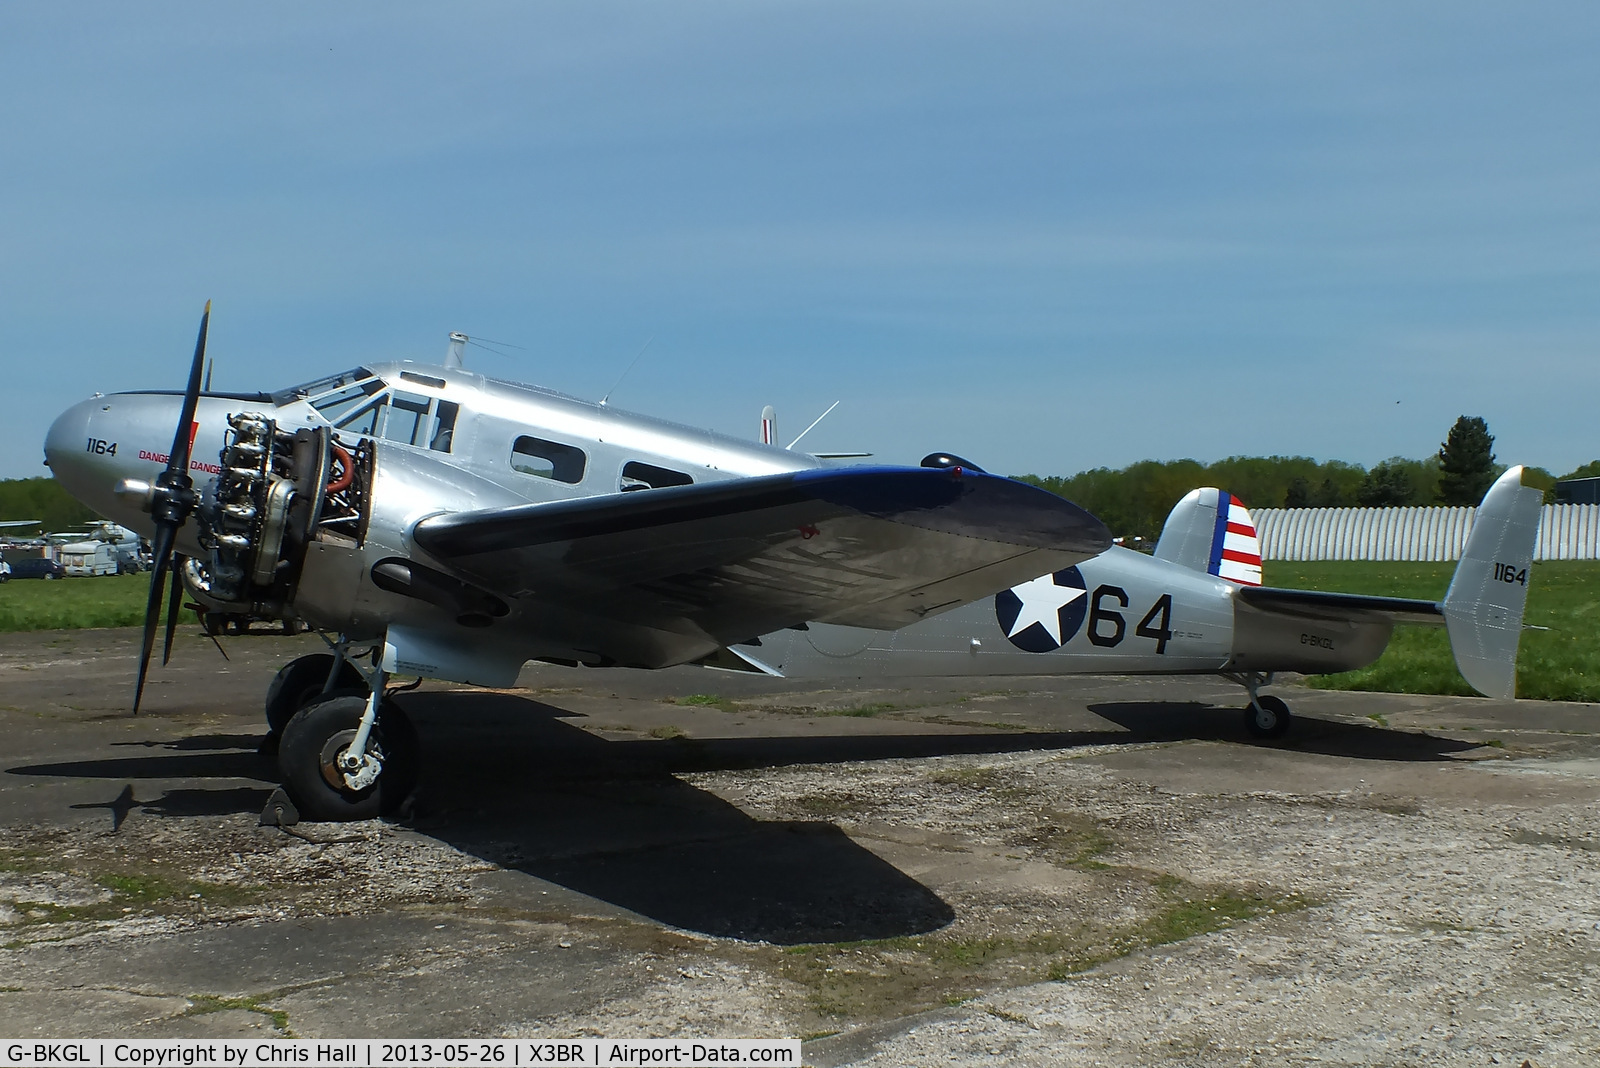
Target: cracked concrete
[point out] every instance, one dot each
(1100, 870)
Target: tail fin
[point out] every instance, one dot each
(769, 426)
(1483, 607)
(1211, 531)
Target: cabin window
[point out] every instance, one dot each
(547, 459)
(638, 476)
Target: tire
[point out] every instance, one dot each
(291, 626)
(49, 576)
(299, 682)
(315, 738)
(1267, 718)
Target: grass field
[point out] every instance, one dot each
(1559, 664)
(71, 603)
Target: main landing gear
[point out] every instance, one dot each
(345, 749)
(1266, 716)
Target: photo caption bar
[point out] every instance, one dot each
(383, 1053)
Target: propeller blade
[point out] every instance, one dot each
(174, 604)
(178, 458)
(161, 552)
(172, 499)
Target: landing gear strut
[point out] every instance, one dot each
(1265, 717)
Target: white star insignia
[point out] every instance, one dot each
(1042, 601)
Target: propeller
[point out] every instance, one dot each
(171, 499)
(174, 605)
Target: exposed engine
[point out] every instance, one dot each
(277, 492)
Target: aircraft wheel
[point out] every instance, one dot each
(300, 681)
(1267, 718)
(320, 733)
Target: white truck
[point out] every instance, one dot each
(89, 558)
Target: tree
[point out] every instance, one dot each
(1327, 495)
(1466, 462)
(44, 499)
(1540, 479)
(1387, 485)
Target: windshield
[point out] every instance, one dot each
(332, 384)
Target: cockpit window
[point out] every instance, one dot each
(407, 418)
(335, 406)
(362, 419)
(332, 384)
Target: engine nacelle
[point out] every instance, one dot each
(360, 573)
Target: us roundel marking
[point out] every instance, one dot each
(1043, 615)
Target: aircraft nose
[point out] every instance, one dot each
(66, 447)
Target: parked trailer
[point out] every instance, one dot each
(88, 558)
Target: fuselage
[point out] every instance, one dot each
(535, 444)
(447, 440)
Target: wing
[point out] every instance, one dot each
(1346, 607)
(662, 576)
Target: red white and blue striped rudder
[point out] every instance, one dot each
(1236, 551)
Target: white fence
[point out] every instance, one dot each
(1566, 532)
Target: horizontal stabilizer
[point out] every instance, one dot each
(1342, 607)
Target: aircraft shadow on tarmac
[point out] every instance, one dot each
(510, 781)
(1171, 721)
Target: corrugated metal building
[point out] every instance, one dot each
(1566, 532)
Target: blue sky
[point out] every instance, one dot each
(1044, 236)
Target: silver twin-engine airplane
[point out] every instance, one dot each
(433, 522)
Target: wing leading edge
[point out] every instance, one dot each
(668, 575)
